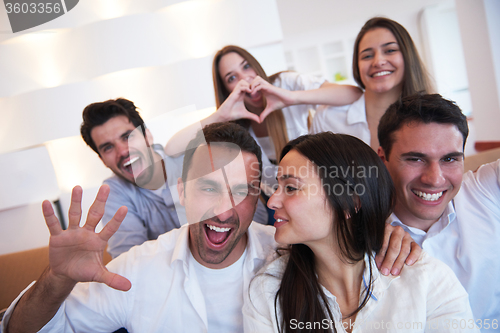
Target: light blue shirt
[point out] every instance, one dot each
(149, 214)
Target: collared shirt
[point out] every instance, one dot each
(466, 238)
(347, 119)
(149, 214)
(425, 297)
(165, 294)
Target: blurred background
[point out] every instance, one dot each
(158, 53)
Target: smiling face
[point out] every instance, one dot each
(234, 68)
(123, 148)
(301, 209)
(426, 164)
(380, 61)
(220, 196)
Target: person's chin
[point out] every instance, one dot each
(254, 103)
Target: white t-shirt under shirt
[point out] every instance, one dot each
(223, 292)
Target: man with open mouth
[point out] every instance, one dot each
(191, 279)
(116, 132)
(452, 216)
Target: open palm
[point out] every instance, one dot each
(76, 254)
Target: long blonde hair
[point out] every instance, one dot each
(275, 121)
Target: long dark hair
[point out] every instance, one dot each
(342, 162)
(416, 78)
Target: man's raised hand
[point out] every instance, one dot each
(75, 255)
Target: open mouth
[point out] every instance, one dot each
(428, 196)
(383, 73)
(127, 166)
(217, 236)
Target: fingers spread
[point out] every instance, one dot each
(51, 219)
(112, 226)
(96, 211)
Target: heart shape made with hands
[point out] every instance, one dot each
(273, 97)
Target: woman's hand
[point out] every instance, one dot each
(276, 98)
(234, 108)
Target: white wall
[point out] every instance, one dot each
(316, 22)
(479, 27)
(157, 53)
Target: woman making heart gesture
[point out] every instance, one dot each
(274, 109)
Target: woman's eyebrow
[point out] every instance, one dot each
(383, 45)
(288, 176)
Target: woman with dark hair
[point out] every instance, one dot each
(332, 202)
(387, 66)
(274, 109)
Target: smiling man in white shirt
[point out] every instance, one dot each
(452, 216)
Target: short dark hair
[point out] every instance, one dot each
(423, 108)
(96, 114)
(222, 132)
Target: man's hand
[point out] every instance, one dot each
(398, 249)
(75, 255)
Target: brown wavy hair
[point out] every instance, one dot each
(416, 78)
(275, 121)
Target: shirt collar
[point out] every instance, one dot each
(357, 112)
(181, 249)
(449, 215)
(256, 250)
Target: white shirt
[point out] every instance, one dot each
(467, 239)
(424, 297)
(295, 118)
(347, 119)
(223, 295)
(165, 294)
